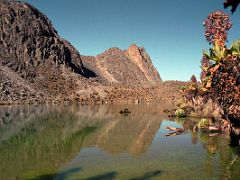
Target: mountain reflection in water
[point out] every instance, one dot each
(96, 142)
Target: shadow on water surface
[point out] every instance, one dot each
(106, 176)
(62, 175)
(148, 175)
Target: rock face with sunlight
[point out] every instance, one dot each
(131, 67)
(36, 64)
(34, 60)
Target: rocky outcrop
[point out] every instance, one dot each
(167, 91)
(143, 61)
(28, 42)
(13, 88)
(37, 65)
(32, 51)
(132, 67)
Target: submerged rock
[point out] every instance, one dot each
(125, 112)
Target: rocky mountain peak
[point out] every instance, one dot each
(112, 51)
(28, 40)
(34, 59)
(131, 67)
(136, 53)
(134, 50)
(139, 56)
(36, 63)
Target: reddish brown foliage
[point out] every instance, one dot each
(216, 25)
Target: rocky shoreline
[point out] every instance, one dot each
(168, 91)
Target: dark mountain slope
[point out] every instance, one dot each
(36, 64)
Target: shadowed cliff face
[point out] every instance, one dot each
(131, 67)
(33, 58)
(29, 42)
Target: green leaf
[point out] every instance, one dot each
(235, 48)
(206, 54)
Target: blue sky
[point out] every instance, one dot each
(171, 31)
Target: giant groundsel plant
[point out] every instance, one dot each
(216, 26)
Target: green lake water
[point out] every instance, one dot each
(96, 142)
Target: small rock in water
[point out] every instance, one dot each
(165, 111)
(125, 112)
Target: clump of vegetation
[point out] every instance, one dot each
(180, 121)
(220, 76)
(224, 73)
(193, 82)
(180, 113)
(203, 123)
(235, 48)
(216, 26)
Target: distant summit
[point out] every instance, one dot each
(131, 67)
